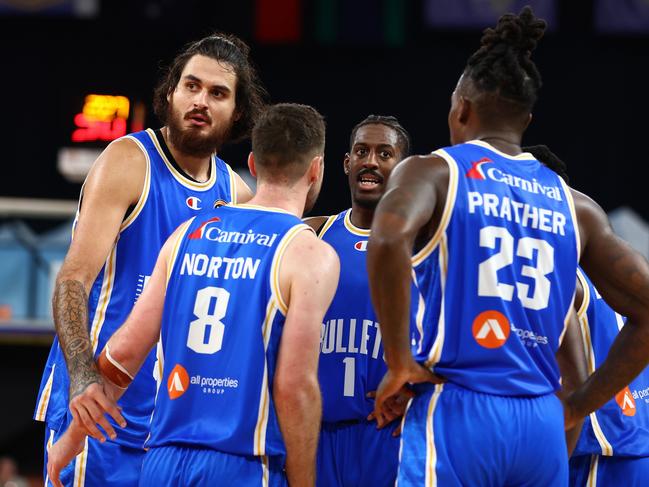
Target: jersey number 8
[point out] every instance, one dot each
(206, 331)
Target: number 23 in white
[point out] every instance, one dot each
(488, 284)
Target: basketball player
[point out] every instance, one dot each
(497, 239)
(137, 192)
(244, 290)
(351, 357)
(614, 442)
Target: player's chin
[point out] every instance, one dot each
(367, 199)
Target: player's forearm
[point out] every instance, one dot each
(389, 270)
(627, 357)
(70, 310)
(299, 412)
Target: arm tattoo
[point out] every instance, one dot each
(70, 304)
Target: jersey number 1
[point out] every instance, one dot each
(206, 331)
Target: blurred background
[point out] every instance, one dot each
(79, 73)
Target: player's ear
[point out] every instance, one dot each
(346, 163)
(251, 165)
(529, 120)
(464, 110)
(316, 168)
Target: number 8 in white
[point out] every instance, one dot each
(208, 322)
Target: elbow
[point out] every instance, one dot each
(296, 389)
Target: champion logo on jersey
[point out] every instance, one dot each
(361, 245)
(491, 329)
(198, 233)
(625, 400)
(178, 382)
(476, 171)
(193, 202)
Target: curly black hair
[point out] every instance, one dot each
(227, 48)
(503, 64)
(389, 121)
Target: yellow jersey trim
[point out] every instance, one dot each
(264, 399)
(327, 225)
(233, 184)
(45, 397)
(361, 232)
(80, 466)
(523, 156)
(605, 445)
(171, 258)
(436, 350)
(144, 195)
(271, 209)
(104, 298)
(431, 452)
(420, 256)
(188, 183)
(277, 260)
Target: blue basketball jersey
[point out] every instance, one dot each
(497, 280)
(621, 426)
(168, 198)
(221, 331)
(351, 358)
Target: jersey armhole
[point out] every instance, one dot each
(275, 288)
(449, 205)
(233, 183)
(172, 257)
(134, 211)
(325, 226)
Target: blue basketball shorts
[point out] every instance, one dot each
(180, 466)
(456, 437)
(601, 471)
(99, 464)
(356, 454)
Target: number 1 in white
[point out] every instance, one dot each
(350, 376)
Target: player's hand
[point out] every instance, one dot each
(394, 407)
(393, 383)
(90, 407)
(63, 452)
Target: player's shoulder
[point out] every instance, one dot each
(122, 154)
(315, 254)
(120, 169)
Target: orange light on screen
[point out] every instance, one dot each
(103, 118)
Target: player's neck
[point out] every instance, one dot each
(196, 167)
(362, 217)
(275, 196)
(505, 141)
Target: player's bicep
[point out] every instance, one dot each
(311, 268)
(619, 272)
(410, 198)
(107, 195)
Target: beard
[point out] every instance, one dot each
(191, 141)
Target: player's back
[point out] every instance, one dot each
(497, 278)
(221, 329)
(621, 426)
(168, 198)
